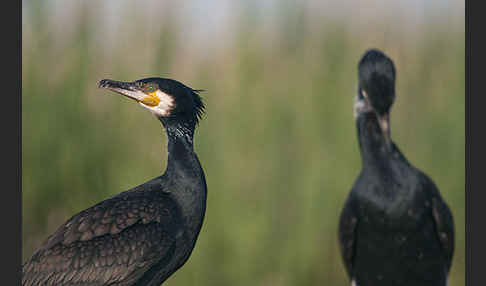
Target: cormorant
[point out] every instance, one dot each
(395, 229)
(143, 235)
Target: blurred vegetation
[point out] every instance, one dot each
(278, 143)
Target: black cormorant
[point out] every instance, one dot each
(143, 235)
(395, 229)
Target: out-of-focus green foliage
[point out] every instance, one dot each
(278, 143)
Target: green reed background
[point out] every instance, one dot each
(278, 142)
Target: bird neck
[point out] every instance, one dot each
(181, 156)
(376, 150)
(185, 173)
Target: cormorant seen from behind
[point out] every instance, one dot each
(395, 229)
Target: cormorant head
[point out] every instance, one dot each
(167, 99)
(376, 88)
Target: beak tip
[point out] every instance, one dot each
(103, 83)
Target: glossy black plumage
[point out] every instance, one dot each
(395, 229)
(143, 235)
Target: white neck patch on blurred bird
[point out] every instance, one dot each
(361, 106)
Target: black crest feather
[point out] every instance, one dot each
(198, 104)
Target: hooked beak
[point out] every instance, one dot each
(128, 89)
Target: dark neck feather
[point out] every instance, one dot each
(181, 161)
(185, 171)
(376, 152)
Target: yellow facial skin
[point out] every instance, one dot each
(151, 99)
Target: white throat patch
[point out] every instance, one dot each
(165, 106)
(361, 106)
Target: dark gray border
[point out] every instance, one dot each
(10, 124)
(475, 204)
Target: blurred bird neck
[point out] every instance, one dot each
(376, 149)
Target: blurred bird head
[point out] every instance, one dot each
(167, 99)
(376, 87)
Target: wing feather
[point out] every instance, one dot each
(115, 241)
(444, 225)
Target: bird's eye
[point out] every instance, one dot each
(150, 88)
